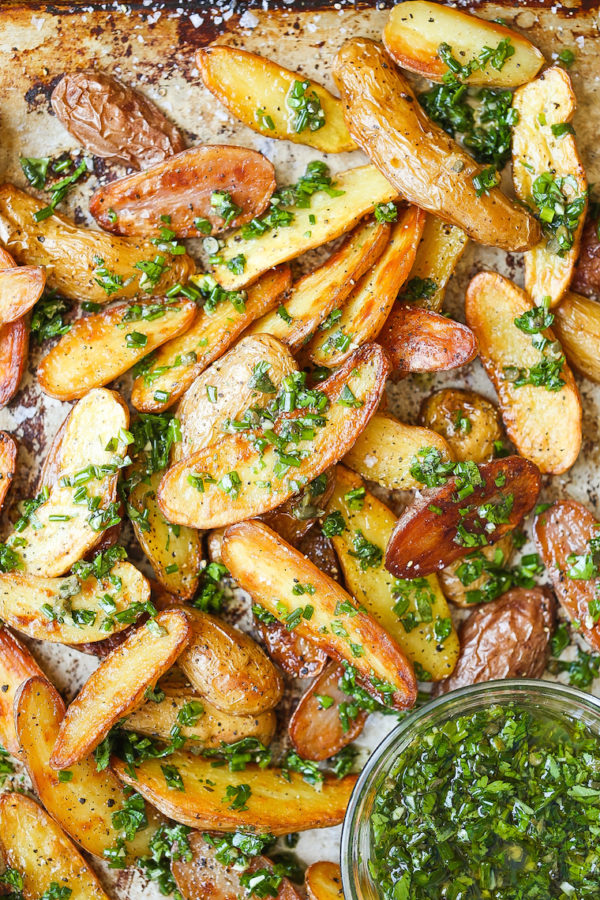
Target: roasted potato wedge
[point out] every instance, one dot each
(543, 420)
(39, 711)
(8, 463)
(182, 188)
(173, 368)
(507, 638)
(38, 849)
(441, 247)
(460, 582)
(278, 802)
(296, 656)
(314, 297)
(317, 731)
(119, 684)
(228, 388)
(212, 729)
(420, 340)
(293, 590)
(385, 450)
(70, 610)
(203, 877)
(416, 29)
(16, 666)
(14, 343)
(563, 534)
(356, 193)
(544, 105)
(101, 347)
(323, 881)
(113, 121)
(77, 259)
(577, 327)
(415, 614)
(295, 519)
(185, 499)
(365, 311)
(228, 668)
(264, 96)
(20, 288)
(468, 422)
(586, 278)
(425, 165)
(62, 531)
(436, 530)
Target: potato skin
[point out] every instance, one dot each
(323, 881)
(113, 121)
(16, 666)
(426, 166)
(421, 340)
(8, 462)
(577, 326)
(586, 279)
(507, 638)
(14, 343)
(441, 412)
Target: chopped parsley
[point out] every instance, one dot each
(224, 206)
(546, 373)
(418, 289)
(558, 205)
(369, 555)
(60, 189)
(386, 212)
(47, 320)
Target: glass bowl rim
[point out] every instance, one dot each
(520, 686)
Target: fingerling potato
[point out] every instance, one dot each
(8, 463)
(586, 278)
(438, 254)
(295, 519)
(82, 264)
(420, 340)
(577, 327)
(296, 656)
(38, 849)
(468, 422)
(14, 344)
(20, 289)
(425, 165)
(415, 31)
(113, 121)
(462, 584)
(293, 590)
(542, 415)
(266, 97)
(324, 881)
(16, 666)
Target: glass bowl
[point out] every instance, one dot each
(558, 699)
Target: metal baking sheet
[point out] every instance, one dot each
(151, 46)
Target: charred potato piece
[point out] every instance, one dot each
(185, 188)
(14, 344)
(294, 519)
(507, 638)
(468, 421)
(439, 251)
(460, 581)
(433, 532)
(425, 165)
(586, 278)
(577, 327)
(8, 463)
(113, 121)
(544, 424)
(420, 340)
(76, 258)
(563, 534)
(295, 655)
(16, 666)
(323, 881)
(542, 147)
(20, 288)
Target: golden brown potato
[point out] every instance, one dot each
(471, 592)
(327, 217)
(8, 463)
(424, 163)
(293, 590)
(314, 297)
(260, 485)
(20, 289)
(173, 368)
(420, 340)
(14, 343)
(416, 29)
(563, 534)
(39, 711)
(385, 450)
(317, 731)
(34, 846)
(586, 278)
(441, 247)
(365, 311)
(294, 519)
(82, 264)
(228, 668)
(323, 881)
(542, 419)
(183, 188)
(262, 95)
(435, 530)
(113, 121)
(468, 421)
(577, 327)
(16, 666)
(507, 638)
(99, 348)
(277, 803)
(544, 106)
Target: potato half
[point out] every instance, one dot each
(438, 254)
(577, 326)
(16, 666)
(421, 340)
(324, 881)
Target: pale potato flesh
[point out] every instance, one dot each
(254, 88)
(364, 187)
(34, 845)
(8, 462)
(545, 426)
(439, 251)
(16, 666)
(20, 289)
(467, 421)
(547, 101)
(577, 326)
(323, 881)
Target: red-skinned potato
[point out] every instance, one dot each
(8, 463)
(323, 881)
(16, 666)
(432, 533)
(562, 531)
(586, 278)
(14, 343)
(114, 121)
(20, 289)
(420, 340)
(181, 188)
